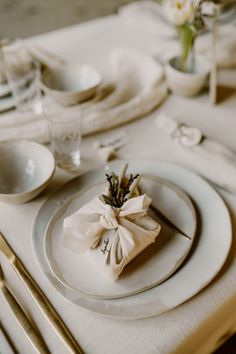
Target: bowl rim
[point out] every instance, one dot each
(65, 68)
(44, 181)
(200, 58)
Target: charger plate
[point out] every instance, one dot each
(159, 261)
(201, 267)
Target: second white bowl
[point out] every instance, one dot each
(72, 84)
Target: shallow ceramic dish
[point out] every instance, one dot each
(158, 262)
(72, 84)
(26, 169)
(207, 257)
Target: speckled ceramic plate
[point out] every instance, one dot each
(159, 261)
(206, 258)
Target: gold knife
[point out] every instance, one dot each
(30, 331)
(11, 348)
(40, 299)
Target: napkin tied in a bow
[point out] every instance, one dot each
(206, 156)
(111, 237)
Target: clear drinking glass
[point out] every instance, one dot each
(64, 124)
(23, 75)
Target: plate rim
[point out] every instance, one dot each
(93, 305)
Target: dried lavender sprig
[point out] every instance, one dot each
(126, 195)
(134, 185)
(119, 188)
(121, 177)
(122, 173)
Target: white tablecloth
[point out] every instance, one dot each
(199, 325)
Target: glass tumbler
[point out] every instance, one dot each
(64, 124)
(23, 75)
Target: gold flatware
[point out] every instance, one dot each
(40, 299)
(6, 340)
(32, 334)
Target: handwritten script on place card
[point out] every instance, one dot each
(105, 250)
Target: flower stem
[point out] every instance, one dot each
(187, 34)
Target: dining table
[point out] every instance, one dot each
(200, 324)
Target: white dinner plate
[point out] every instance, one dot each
(206, 258)
(159, 261)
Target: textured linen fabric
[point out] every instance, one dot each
(133, 87)
(209, 158)
(196, 326)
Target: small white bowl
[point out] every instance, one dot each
(72, 84)
(185, 83)
(26, 169)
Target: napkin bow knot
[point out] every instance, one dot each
(185, 135)
(108, 219)
(88, 224)
(113, 236)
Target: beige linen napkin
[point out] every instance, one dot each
(148, 17)
(207, 157)
(111, 237)
(136, 88)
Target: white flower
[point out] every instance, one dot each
(179, 12)
(209, 8)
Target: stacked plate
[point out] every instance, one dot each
(6, 98)
(168, 272)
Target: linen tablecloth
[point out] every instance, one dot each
(197, 326)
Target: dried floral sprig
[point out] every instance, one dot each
(120, 188)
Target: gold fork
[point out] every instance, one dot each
(31, 333)
(40, 299)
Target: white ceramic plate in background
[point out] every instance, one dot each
(206, 258)
(150, 268)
